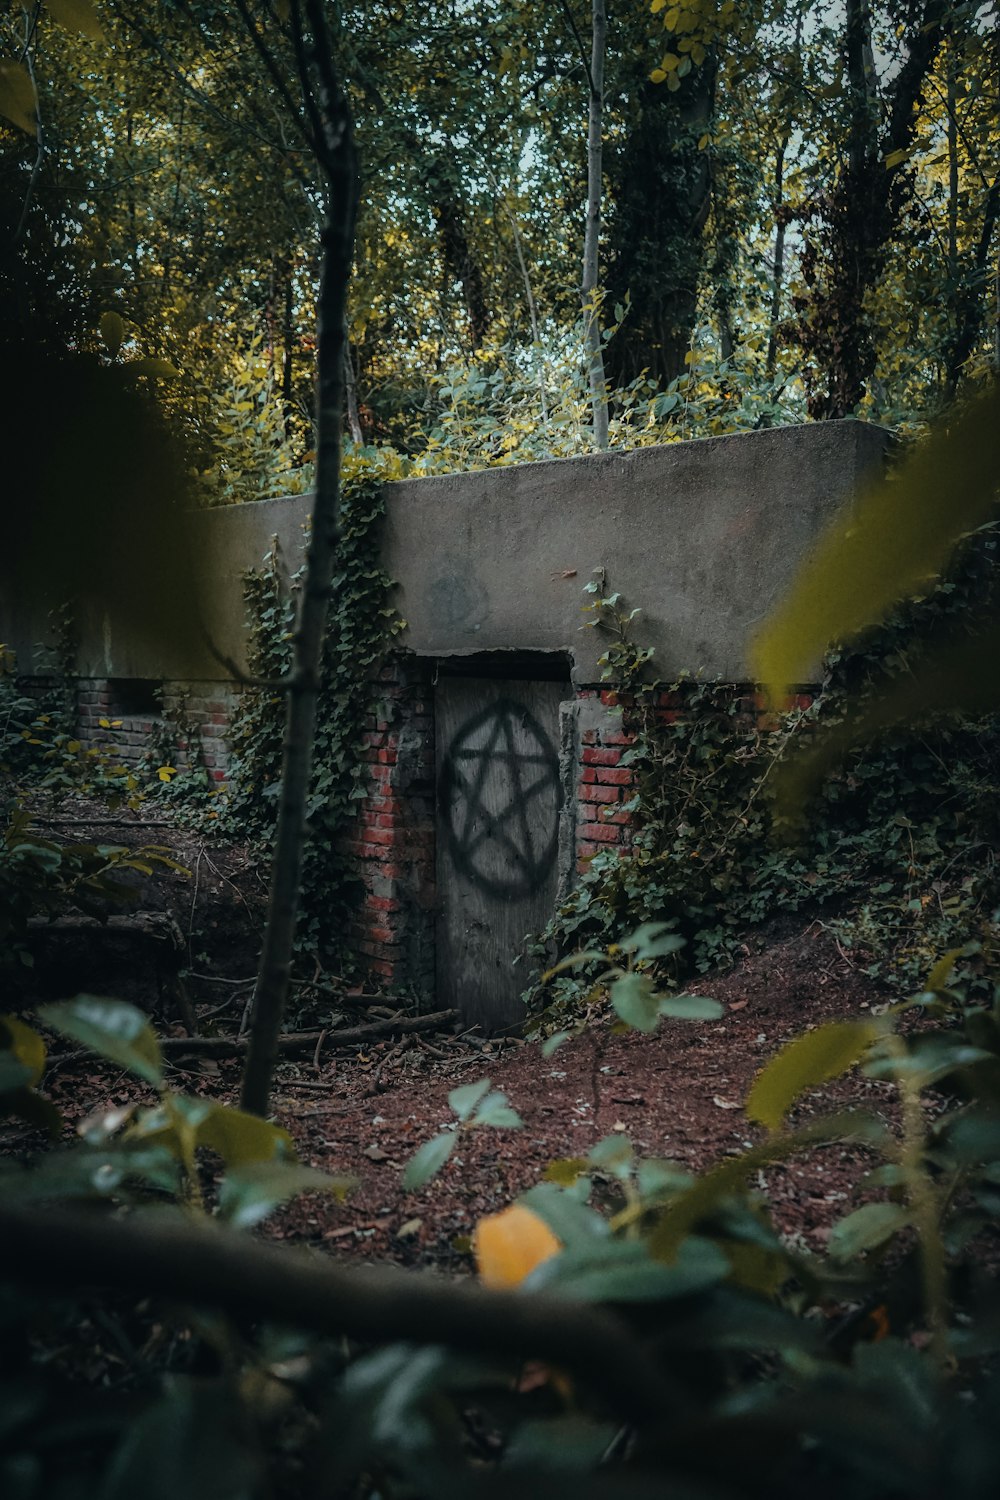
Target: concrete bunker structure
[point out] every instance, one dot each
(493, 748)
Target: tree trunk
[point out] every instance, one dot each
(863, 211)
(592, 233)
(661, 192)
(778, 273)
(336, 153)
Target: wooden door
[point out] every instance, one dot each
(499, 800)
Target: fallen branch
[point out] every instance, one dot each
(305, 1041)
(151, 1255)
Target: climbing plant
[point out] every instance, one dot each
(898, 852)
(361, 627)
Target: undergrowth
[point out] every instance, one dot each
(897, 852)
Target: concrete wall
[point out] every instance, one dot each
(703, 536)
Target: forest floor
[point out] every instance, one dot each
(364, 1111)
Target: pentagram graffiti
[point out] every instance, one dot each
(496, 769)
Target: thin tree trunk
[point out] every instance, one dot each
(351, 391)
(336, 153)
(778, 278)
(953, 184)
(592, 234)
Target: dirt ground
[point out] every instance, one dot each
(676, 1094)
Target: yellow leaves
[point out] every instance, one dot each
(894, 546)
(896, 158)
(509, 1245)
(77, 15)
(166, 773)
(18, 103)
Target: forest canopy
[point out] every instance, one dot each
(797, 209)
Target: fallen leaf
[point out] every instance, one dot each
(509, 1245)
(375, 1153)
(409, 1229)
(739, 1004)
(338, 1234)
(723, 1103)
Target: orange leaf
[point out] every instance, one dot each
(509, 1245)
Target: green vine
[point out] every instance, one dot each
(360, 628)
(897, 855)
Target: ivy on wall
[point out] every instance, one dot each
(897, 853)
(361, 624)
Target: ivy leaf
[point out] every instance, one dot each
(113, 1029)
(429, 1160)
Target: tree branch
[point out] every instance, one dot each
(150, 1255)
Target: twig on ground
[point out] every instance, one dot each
(303, 1041)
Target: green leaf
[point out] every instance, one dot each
(14, 1074)
(25, 1044)
(571, 1221)
(18, 102)
(429, 1160)
(240, 1138)
(575, 961)
(159, 369)
(83, 1172)
(690, 1008)
(614, 1154)
(554, 1042)
(866, 1229)
(887, 548)
(495, 1110)
(635, 999)
(113, 1029)
(623, 1271)
(928, 1059)
(77, 15)
(938, 978)
(652, 940)
(565, 1171)
(464, 1100)
(805, 1062)
(187, 1443)
(112, 332)
(250, 1193)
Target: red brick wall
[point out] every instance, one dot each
(393, 839)
(203, 706)
(392, 842)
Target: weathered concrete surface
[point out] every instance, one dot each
(703, 536)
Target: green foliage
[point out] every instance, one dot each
(474, 1105)
(125, 1155)
(359, 629)
(897, 854)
